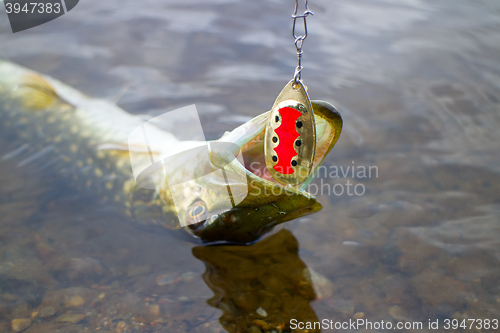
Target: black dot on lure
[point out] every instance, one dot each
(297, 118)
(275, 139)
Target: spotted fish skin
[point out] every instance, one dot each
(52, 130)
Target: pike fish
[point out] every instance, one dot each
(51, 126)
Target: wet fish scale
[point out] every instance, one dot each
(50, 128)
(47, 135)
(52, 144)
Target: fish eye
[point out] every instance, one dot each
(197, 212)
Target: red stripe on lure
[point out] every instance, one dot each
(287, 134)
(290, 138)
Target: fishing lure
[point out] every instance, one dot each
(290, 138)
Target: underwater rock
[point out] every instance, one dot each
(74, 297)
(438, 291)
(358, 315)
(74, 301)
(24, 268)
(72, 318)
(45, 251)
(121, 327)
(47, 311)
(323, 287)
(154, 310)
(261, 312)
(19, 325)
(84, 268)
(253, 329)
(167, 278)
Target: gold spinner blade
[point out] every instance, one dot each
(290, 138)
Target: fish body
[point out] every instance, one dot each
(51, 126)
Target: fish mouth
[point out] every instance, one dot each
(259, 204)
(251, 147)
(259, 201)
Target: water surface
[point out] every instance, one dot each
(417, 83)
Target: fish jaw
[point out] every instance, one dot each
(266, 205)
(232, 204)
(259, 203)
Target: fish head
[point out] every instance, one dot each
(231, 197)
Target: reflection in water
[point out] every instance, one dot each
(259, 287)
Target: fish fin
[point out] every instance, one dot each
(36, 93)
